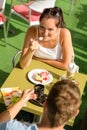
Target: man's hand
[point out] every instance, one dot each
(28, 94)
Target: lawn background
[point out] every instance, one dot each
(76, 23)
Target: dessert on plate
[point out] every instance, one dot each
(41, 76)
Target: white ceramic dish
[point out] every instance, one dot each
(36, 71)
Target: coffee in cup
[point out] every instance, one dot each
(72, 69)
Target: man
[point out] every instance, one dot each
(62, 103)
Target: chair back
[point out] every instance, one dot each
(3, 19)
(15, 58)
(2, 5)
(40, 5)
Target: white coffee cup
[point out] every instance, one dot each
(72, 69)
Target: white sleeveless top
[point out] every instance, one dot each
(53, 53)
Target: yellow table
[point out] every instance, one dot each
(18, 78)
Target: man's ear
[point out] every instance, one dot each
(45, 103)
(76, 113)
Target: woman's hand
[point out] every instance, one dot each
(27, 53)
(33, 45)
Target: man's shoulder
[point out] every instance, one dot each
(12, 125)
(3, 126)
(17, 125)
(32, 127)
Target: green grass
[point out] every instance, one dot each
(77, 24)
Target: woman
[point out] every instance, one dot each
(50, 42)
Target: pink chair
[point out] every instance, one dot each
(26, 13)
(23, 11)
(2, 18)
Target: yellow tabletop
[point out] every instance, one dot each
(18, 78)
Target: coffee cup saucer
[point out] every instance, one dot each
(70, 78)
(62, 77)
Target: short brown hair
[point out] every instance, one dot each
(63, 101)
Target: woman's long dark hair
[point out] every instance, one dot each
(55, 13)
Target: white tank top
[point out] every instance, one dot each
(46, 53)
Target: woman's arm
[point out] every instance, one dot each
(30, 45)
(54, 63)
(12, 111)
(67, 51)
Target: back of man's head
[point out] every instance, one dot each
(63, 102)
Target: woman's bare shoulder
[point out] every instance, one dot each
(65, 35)
(65, 31)
(32, 31)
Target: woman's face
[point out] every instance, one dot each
(48, 29)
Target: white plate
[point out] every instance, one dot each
(35, 71)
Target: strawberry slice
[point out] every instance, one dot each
(44, 75)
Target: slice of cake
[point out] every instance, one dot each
(38, 77)
(41, 76)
